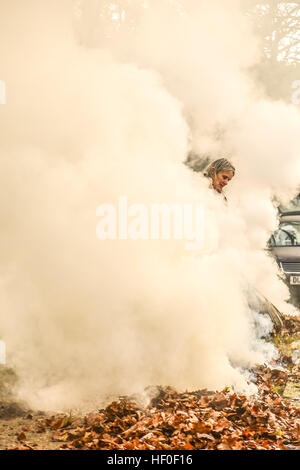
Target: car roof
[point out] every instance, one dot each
(290, 216)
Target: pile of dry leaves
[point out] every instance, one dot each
(191, 420)
(198, 420)
(291, 326)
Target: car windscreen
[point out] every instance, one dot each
(288, 234)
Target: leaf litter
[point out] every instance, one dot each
(202, 419)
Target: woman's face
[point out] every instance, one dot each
(220, 180)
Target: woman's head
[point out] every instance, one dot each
(220, 171)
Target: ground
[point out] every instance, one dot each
(193, 420)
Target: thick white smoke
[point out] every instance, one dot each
(84, 125)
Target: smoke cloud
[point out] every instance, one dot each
(92, 116)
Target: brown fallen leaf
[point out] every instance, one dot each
(26, 428)
(202, 427)
(21, 437)
(221, 425)
(19, 448)
(188, 447)
(206, 437)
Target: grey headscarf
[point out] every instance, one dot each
(219, 165)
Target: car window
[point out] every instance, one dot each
(288, 234)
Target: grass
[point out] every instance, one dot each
(284, 343)
(8, 380)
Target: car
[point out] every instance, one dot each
(284, 245)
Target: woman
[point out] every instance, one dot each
(220, 171)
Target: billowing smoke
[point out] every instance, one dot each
(91, 117)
